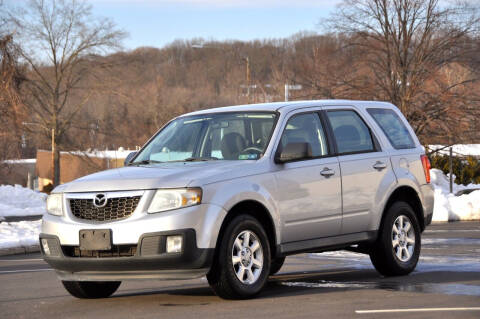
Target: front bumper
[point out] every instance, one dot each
(205, 219)
(132, 255)
(150, 260)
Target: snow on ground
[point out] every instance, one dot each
(19, 234)
(19, 201)
(458, 149)
(120, 153)
(449, 207)
(21, 161)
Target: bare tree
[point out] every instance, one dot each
(57, 39)
(407, 46)
(11, 110)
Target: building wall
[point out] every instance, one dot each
(16, 173)
(72, 166)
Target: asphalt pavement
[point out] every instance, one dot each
(446, 284)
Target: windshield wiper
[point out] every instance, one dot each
(200, 159)
(144, 162)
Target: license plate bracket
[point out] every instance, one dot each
(95, 239)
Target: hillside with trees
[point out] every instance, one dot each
(416, 54)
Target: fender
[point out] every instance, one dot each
(257, 188)
(401, 182)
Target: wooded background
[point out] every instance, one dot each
(67, 72)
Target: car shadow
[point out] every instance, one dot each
(318, 282)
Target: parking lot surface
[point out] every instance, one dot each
(446, 284)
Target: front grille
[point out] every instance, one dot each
(116, 251)
(116, 208)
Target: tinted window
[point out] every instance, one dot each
(351, 133)
(393, 127)
(306, 128)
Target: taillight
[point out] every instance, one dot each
(426, 167)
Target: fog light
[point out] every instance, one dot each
(174, 244)
(45, 247)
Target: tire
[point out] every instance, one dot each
(277, 263)
(397, 249)
(240, 270)
(91, 289)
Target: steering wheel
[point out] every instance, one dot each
(252, 149)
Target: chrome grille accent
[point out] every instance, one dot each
(116, 208)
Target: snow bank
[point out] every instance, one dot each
(449, 207)
(461, 149)
(19, 234)
(19, 201)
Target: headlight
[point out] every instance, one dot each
(55, 204)
(168, 199)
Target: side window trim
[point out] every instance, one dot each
(376, 144)
(329, 132)
(330, 150)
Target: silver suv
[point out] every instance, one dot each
(229, 192)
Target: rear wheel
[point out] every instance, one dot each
(397, 249)
(91, 289)
(277, 264)
(242, 262)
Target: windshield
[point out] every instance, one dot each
(222, 136)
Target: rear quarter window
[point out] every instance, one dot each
(393, 127)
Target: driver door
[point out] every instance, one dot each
(309, 190)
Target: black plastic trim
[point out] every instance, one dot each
(325, 243)
(191, 257)
(428, 220)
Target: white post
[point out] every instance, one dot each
(29, 180)
(286, 92)
(450, 168)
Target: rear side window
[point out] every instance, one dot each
(393, 127)
(351, 133)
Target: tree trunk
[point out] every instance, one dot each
(56, 167)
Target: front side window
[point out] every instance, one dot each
(393, 127)
(216, 136)
(306, 128)
(351, 133)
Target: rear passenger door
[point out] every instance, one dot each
(364, 166)
(309, 193)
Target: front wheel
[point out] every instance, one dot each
(91, 289)
(242, 262)
(397, 249)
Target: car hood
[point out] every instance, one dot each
(163, 175)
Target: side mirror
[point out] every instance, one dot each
(129, 158)
(294, 152)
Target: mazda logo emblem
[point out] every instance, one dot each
(100, 200)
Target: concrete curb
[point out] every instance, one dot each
(19, 250)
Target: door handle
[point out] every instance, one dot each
(379, 165)
(326, 172)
